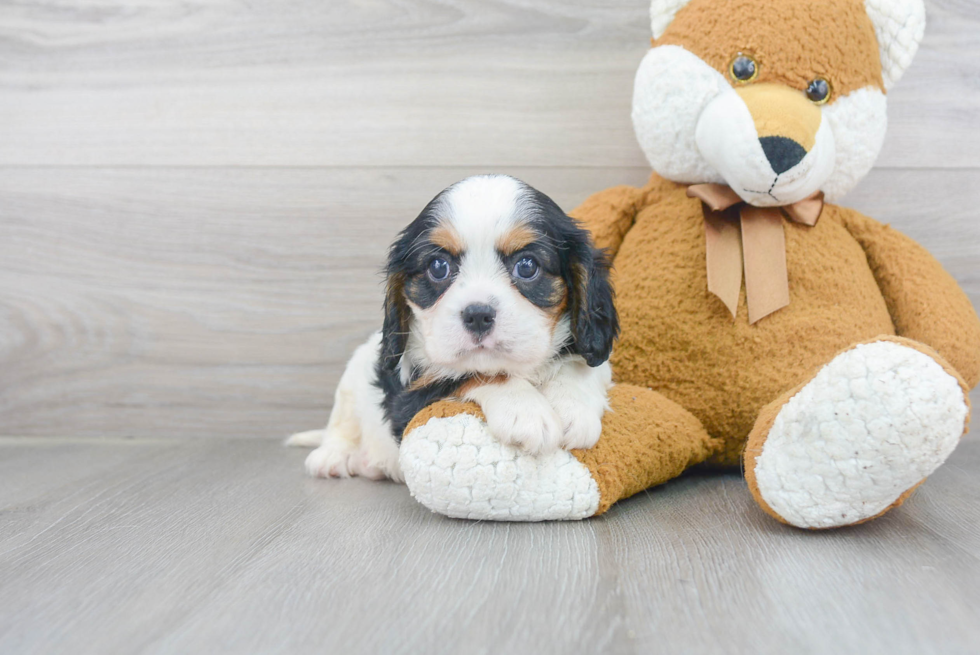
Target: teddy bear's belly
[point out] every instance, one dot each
(680, 340)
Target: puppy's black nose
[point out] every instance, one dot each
(782, 153)
(478, 319)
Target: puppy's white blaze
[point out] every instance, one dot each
(482, 208)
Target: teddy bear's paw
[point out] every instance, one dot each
(867, 429)
(454, 466)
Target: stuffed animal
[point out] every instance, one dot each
(762, 325)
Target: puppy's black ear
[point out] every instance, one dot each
(394, 331)
(595, 324)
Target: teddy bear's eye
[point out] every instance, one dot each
(743, 68)
(818, 91)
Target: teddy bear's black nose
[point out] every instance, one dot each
(782, 153)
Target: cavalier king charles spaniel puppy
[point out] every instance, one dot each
(493, 295)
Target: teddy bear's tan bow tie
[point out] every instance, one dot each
(760, 243)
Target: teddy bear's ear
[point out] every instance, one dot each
(662, 12)
(899, 26)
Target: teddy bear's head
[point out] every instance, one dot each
(778, 99)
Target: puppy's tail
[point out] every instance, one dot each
(308, 439)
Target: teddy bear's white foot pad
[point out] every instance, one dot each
(867, 428)
(455, 467)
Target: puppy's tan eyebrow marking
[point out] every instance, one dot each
(519, 236)
(446, 237)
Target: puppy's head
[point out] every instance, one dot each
(494, 278)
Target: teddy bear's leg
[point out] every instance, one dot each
(454, 466)
(858, 437)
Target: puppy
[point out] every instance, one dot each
(493, 295)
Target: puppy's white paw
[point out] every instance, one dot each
(331, 460)
(581, 426)
(379, 462)
(360, 464)
(580, 396)
(372, 458)
(525, 420)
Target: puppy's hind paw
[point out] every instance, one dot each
(375, 466)
(329, 461)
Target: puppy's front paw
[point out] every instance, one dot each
(524, 420)
(581, 426)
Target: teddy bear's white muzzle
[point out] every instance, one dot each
(768, 171)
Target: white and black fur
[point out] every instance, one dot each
(493, 295)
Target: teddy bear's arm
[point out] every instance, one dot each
(609, 215)
(925, 302)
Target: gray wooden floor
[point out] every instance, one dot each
(220, 546)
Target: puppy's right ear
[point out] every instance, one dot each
(394, 332)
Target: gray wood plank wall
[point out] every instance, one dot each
(195, 197)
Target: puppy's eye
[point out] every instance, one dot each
(438, 269)
(818, 91)
(526, 268)
(743, 69)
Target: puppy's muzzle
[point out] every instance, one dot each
(478, 320)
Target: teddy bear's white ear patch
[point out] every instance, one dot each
(662, 12)
(899, 26)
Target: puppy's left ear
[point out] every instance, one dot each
(595, 324)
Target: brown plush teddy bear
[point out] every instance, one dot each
(827, 352)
